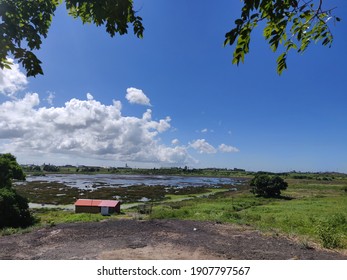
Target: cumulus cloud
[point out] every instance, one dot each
(85, 128)
(12, 80)
(203, 147)
(227, 149)
(89, 129)
(137, 96)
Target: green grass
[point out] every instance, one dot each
(309, 211)
(207, 192)
(51, 217)
(55, 216)
(301, 217)
(216, 208)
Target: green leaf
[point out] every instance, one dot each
(7, 66)
(326, 41)
(281, 63)
(254, 16)
(239, 22)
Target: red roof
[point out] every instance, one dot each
(109, 203)
(96, 202)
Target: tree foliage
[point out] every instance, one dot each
(294, 24)
(9, 169)
(14, 209)
(268, 186)
(23, 24)
(50, 168)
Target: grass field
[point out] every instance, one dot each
(311, 210)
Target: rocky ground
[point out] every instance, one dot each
(155, 239)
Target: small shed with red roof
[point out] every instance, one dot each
(104, 207)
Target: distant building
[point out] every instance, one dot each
(104, 207)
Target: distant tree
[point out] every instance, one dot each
(291, 23)
(36, 168)
(14, 209)
(268, 186)
(50, 168)
(32, 168)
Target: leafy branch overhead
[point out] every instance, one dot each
(23, 24)
(293, 24)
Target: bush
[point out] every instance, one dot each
(268, 186)
(14, 210)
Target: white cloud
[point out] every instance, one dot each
(203, 147)
(227, 149)
(12, 80)
(90, 96)
(92, 130)
(50, 97)
(137, 96)
(85, 128)
(205, 130)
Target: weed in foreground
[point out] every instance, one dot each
(329, 231)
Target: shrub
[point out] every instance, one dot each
(14, 210)
(268, 186)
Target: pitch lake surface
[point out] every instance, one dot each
(83, 181)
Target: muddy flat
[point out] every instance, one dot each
(155, 240)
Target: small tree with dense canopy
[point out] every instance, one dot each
(268, 186)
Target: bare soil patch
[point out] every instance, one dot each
(154, 239)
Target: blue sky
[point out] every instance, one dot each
(174, 98)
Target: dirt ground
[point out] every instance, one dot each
(156, 240)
